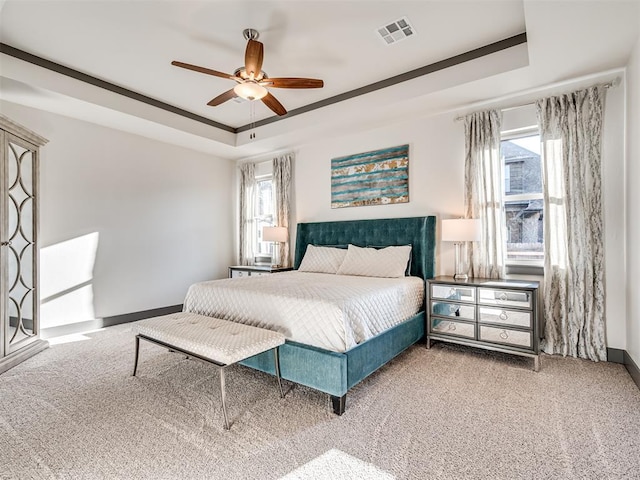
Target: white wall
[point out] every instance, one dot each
(127, 223)
(436, 173)
(436, 166)
(633, 205)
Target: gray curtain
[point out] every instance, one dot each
(574, 303)
(282, 182)
(483, 192)
(247, 213)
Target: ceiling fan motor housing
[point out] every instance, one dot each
(250, 34)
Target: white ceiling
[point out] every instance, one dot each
(132, 43)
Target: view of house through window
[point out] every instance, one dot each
(265, 210)
(523, 199)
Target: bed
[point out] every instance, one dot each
(333, 358)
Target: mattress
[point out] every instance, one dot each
(333, 312)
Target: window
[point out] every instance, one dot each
(265, 216)
(523, 199)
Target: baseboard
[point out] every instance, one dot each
(615, 355)
(632, 368)
(106, 322)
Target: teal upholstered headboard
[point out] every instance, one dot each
(420, 232)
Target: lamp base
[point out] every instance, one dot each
(461, 273)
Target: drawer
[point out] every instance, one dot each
(259, 274)
(506, 336)
(504, 316)
(454, 292)
(456, 310)
(448, 327)
(507, 298)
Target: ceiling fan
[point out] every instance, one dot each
(252, 81)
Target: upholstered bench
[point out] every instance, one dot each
(209, 339)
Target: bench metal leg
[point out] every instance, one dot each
(224, 399)
(135, 363)
(277, 358)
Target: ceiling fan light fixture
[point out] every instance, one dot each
(250, 90)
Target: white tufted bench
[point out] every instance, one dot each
(212, 340)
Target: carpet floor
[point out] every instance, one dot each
(75, 412)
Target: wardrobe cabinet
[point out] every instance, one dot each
(19, 251)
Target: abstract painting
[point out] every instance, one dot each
(380, 177)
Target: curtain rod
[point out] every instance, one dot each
(613, 83)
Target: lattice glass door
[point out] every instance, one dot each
(18, 232)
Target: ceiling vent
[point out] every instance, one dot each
(397, 31)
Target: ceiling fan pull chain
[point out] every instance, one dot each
(252, 120)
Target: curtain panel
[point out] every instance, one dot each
(248, 232)
(483, 193)
(574, 301)
(282, 182)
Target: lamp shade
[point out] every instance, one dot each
(250, 90)
(275, 234)
(460, 230)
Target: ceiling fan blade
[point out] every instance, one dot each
(208, 71)
(293, 83)
(228, 95)
(253, 58)
(271, 102)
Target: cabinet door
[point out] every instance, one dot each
(18, 232)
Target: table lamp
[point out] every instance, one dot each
(277, 235)
(460, 231)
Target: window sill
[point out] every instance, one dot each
(524, 269)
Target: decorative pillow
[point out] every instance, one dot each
(322, 259)
(407, 272)
(390, 262)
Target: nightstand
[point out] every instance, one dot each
(238, 271)
(499, 315)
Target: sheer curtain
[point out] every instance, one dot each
(574, 304)
(247, 213)
(483, 192)
(282, 182)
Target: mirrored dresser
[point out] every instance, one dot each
(498, 315)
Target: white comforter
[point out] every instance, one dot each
(334, 312)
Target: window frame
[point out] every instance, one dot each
(262, 256)
(519, 266)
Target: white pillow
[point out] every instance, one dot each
(390, 262)
(322, 259)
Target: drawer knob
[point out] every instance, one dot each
(452, 326)
(502, 296)
(504, 335)
(503, 315)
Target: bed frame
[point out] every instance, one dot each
(335, 373)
